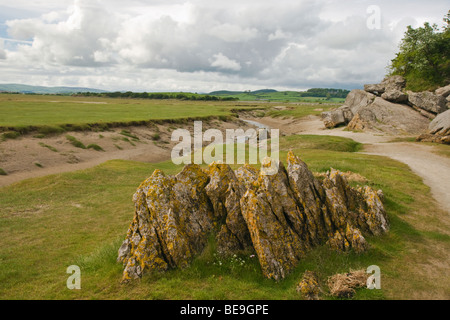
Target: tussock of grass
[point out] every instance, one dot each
(128, 134)
(76, 143)
(3, 172)
(48, 147)
(10, 135)
(94, 146)
(129, 141)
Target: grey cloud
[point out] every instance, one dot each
(287, 43)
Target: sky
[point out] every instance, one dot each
(205, 45)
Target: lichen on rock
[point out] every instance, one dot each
(279, 217)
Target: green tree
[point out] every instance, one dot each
(424, 57)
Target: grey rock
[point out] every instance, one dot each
(443, 91)
(395, 95)
(333, 118)
(428, 101)
(441, 124)
(393, 118)
(355, 100)
(388, 84)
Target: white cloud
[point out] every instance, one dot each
(161, 45)
(222, 62)
(2, 51)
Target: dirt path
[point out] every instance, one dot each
(432, 168)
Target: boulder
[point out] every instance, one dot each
(355, 100)
(393, 118)
(438, 130)
(428, 101)
(392, 83)
(443, 91)
(333, 118)
(395, 95)
(376, 89)
(279, 217)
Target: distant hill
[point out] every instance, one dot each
(225, 92)
(22, 88)
(311, 95)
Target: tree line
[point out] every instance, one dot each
(325, 92)
(156, 95)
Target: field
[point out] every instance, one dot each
(280, 96)
(22, 111)
(81, 218)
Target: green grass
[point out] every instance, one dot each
(94, 146)
(81, 218)
(128, 134)
(48, 147)
(56, 114)
(302, 110)
(331, 143)
(3, 172)
(75, 142)
(280, 96)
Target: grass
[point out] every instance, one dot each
(28, 113)
(48, 147)
(94, 146)
(128, 134)
(3, 172)
(75, 142)
(281, 96)
(82, 217)
(301, 110)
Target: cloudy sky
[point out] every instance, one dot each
(204, 45)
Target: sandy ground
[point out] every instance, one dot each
(28, 156)
(432, 168)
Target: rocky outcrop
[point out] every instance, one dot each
(355, 100)
(438, 129)
(279, 217)
(389, 84)
(428, 101)
(443, 91)
(385, 116)
(385, 107)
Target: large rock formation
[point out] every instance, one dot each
(279, 217)
(355, 100)
(385, 107)
(438, 130)
(385, 116)
(428, 101)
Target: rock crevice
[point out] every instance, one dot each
(279, 217)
